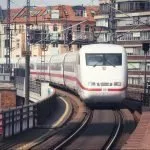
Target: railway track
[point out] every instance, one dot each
(101, 132)
(78, 114)
(71, 129)
(70, 133)
(115, 133)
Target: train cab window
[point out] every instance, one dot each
(94, 59)
(103, 59)
(113, 59)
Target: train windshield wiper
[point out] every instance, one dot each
(95, 64)
(110, 63)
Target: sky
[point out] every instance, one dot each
(21, 3)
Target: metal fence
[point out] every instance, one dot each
(19, 119)
(35, 86)
(137, 92)
(135, 95)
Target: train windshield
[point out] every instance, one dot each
(109, 59)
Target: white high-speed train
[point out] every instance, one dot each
(98, 72)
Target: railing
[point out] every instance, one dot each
(17, 120)
(22, 118)
(138, 92)
(135, 95)
(35, 87)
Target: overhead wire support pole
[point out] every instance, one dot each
(112, 22)
(43, 49)
(8, 38)
(27, 60)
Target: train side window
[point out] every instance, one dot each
(45, 66)
(41, 66)
(69, 66)
(55, 66)
(38, 66)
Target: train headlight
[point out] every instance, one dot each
(117, 83)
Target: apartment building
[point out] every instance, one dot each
(133, 28)
(49, 29)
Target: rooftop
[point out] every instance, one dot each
(72, 13)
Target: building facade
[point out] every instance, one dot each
(53, 29)
(132, 21)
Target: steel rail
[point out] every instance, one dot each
(114, 136)
(85, 121)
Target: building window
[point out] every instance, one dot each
(145, 35)
(104, 9)
(17, 43)
(79, 12)
(70, 27)
(55, 28)
(20, 28)
(93, 13)
(78, 28)
(136, 20)
(129, 51)
(133, 6)
(55, 44)
(87, 28)
(5, 29)
(79, 46)
(148, 68)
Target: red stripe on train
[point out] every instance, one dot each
(78, 82)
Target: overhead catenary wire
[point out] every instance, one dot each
(47, 35)
(62, 30)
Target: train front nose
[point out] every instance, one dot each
(103, 98)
